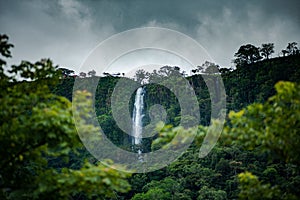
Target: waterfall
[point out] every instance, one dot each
(137, 116)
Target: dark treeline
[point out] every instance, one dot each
(248, 83)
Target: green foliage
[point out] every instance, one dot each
(255, 82)
(42, 158)
(252, 189)
(219, 170)
(274, 125)
(167, 188)
(93, 181)
(155, 193)
(211, 194)
(37, 126)
(268, 130)
(167, 133)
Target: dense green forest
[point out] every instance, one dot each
(256, 157)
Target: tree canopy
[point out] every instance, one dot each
(267, 49)
(247, 54)
(37, 128)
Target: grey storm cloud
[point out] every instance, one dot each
(67, 30)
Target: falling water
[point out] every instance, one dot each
(137, 116)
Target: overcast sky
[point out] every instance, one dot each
(67, 30)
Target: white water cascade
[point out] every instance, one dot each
(137, 116)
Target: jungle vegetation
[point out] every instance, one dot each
(256, 157)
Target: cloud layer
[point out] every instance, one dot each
(67, 30)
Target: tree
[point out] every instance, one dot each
(82, 74)
(37, 126)
(92, 73)
(266, 124)
(106, 74)
(224, 71)
(292, 48)
(167, 188)
(247, 54)
(211, 194)
(253, 189)
(284, 52)
(141, 75)
(66, 72)
(274, 128)
(155, 193)
(267, 49)
(210, 68)
(198, 69)
(167, 71)
(4, 48)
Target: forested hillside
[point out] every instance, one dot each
(257, 156)
(245, 85)
(216, 176)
